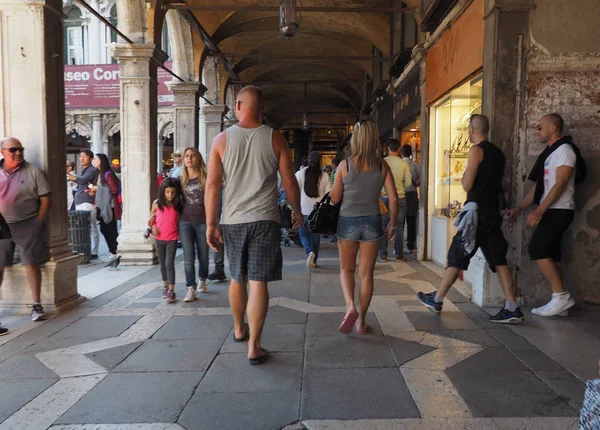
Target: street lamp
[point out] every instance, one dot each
(287, 18)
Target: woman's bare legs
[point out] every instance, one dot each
(348, 250)
(366, 266)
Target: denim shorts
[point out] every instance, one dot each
(360, 228)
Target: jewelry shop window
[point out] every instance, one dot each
(450, 127)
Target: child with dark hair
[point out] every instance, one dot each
(164, 222)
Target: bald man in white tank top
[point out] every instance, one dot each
(248, 156)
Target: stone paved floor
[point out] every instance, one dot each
(126, 360)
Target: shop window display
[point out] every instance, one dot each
(450, 123)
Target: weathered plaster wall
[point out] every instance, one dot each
(560, 26)
(568, 84)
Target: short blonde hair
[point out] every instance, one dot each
(201, 167)
(365, 145)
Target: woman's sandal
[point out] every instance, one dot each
(365, 330)
(242, 339)
(348, 322)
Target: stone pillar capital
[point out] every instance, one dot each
(212, 113)
(138, 51)
(186, 93)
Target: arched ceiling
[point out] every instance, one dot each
(331, 55)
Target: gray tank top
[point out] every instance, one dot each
(250, 172)
(362, 190)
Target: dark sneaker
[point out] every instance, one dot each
(3, 331)
(171, 298)
(217, 275)
(508, 317)
(383, 257)
(400, 258)
(164, 293)
(428, 300)
(37, 313)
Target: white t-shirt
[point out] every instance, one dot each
(563, 156)
(307, 203)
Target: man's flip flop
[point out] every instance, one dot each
(242, 339)
(348, 322)
(259, 360)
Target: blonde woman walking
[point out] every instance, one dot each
(358, 183)
(192, 223)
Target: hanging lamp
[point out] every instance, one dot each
(287, 18)
(305, 123)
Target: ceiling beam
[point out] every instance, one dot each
(300, 57)
(256, 8)
(304, 82)
(210, 44)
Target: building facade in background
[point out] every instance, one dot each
(92, 85)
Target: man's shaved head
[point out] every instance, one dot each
(480, 123)
(251, 96)
(557, 121)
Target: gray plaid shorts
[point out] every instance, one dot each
(253, 250)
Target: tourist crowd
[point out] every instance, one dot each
(232, 206)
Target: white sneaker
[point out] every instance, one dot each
(558, 304)
(109, 257)
(191, 295)
(310, 261)
(202, 287)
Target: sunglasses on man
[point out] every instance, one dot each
(14, 150)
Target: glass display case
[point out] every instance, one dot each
(450, 144)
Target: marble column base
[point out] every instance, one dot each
(135, 250)
(59, 286)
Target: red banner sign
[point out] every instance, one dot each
(97, 86)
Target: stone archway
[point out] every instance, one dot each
(81, 124)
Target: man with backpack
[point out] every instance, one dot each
(556, 172)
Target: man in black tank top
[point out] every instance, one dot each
(483, 183)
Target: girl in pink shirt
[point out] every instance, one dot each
(164, 222)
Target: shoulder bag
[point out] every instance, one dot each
(324, 217)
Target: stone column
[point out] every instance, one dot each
(139, 112)
(160, 149)
(185, 105)
(95, 28)
(211, 124)
(504, 89)
(97, 134)
(107, 149)
(32, 109)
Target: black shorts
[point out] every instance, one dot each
(254, 251)
(489, 237)
(545, 242)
